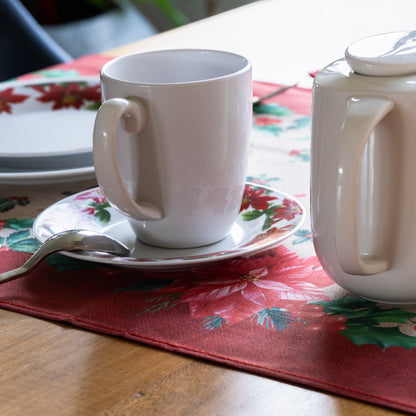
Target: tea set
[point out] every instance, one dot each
(171, 145)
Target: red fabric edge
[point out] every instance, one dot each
(266, 371)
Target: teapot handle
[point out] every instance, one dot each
(362, 115)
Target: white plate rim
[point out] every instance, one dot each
(57, 154)
(50, 176)
(47, 177)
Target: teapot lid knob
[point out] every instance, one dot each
(388, 54)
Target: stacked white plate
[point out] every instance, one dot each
(46, 129)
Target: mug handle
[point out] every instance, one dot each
(362, 115)
(132, 117)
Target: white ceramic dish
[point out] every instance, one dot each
(47, 125)
(18, 177)
(255, 229)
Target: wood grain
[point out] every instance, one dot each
(47, 368)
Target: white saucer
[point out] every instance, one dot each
(252, 232)
(46, 127)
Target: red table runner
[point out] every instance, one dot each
(274, 313)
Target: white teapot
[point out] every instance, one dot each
(363, 168)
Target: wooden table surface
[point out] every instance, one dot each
(47, 368)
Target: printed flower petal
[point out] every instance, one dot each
(244, 286)
(7, 97)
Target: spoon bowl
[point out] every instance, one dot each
(70, 240)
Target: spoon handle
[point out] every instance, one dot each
(48, 247)
(13, 274)
(71, 240)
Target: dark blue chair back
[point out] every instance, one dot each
(24, 44)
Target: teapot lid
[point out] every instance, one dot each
(388, 54)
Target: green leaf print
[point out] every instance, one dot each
(7, 204)
(17, 236)
(103, 216)
(214, 322)
(274, 318)
(272, 109)
(22, 241)
(163, 302)
(262, 179)
(300, 123)
(302, 236)
(101, 212)
(254, 214)
(371, 323)
(65, 263)
(93, 107)
(271, 128)
(57, 73)
(383, 337)
(29, 245)
(251, 215)
(17, 224)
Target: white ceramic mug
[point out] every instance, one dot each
(171, 142)
(363, 168)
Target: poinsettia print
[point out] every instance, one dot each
(288, 210)
(97, 205)
(245, 288)
(269, 124)
(263, 204)
(276, 119)
(256, 198)
(68, 95)
(268, 117)
(93, 194)
(8, 98)
(266, 121)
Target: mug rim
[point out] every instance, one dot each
(243, 69)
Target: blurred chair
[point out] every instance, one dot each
(120, 25)
(24, 44)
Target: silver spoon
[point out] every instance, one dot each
(71, 240)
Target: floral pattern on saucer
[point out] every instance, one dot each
(265, 219)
